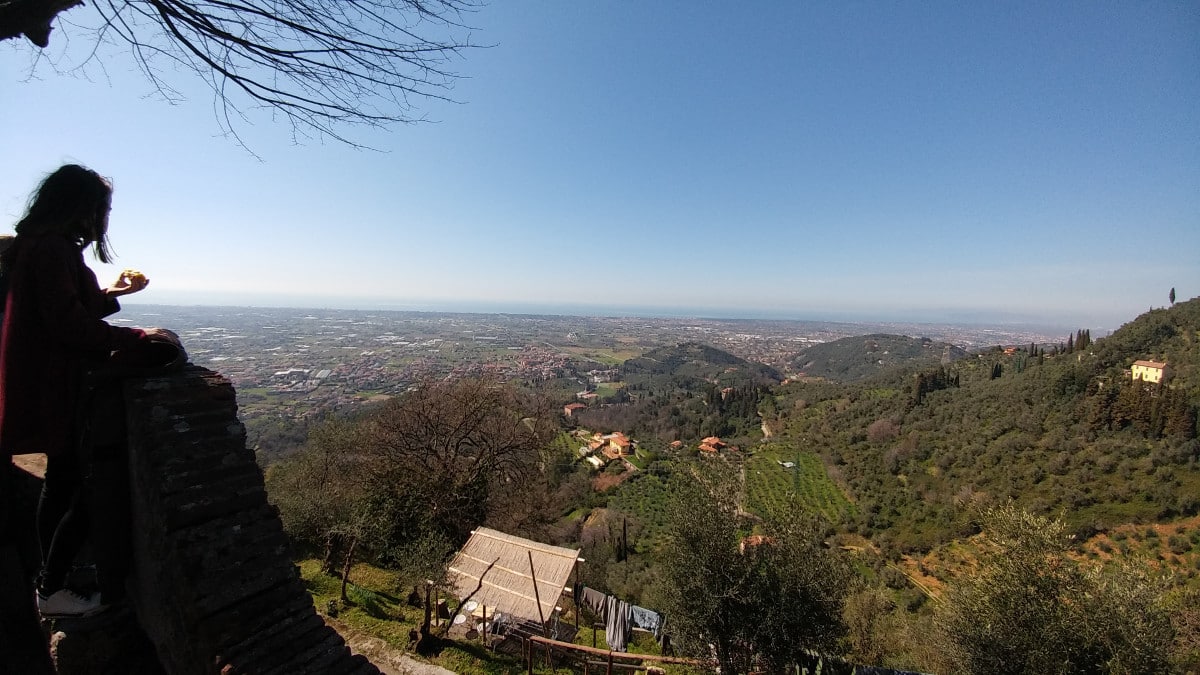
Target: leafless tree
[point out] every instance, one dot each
(458, 445)
(322, 64)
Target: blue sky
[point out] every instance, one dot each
(982, 161)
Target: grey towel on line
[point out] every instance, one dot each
(616, 630)
(593, 600)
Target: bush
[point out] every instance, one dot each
(1178, 544)
(1033, 608)
(882, 431)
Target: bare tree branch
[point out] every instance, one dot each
(322, 64)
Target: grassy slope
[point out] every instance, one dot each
(376, 610)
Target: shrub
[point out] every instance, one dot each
(1178, 544)
(1032, 607)
(882, 431)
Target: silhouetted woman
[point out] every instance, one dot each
(53, 331)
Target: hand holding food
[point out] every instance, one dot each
(130, 281)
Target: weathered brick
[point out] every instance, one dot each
(206, 532)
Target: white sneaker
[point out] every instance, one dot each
(67, 604)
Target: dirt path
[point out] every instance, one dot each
(388, 659)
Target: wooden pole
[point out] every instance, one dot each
(537, 597)
(485, 625)
(608, 670)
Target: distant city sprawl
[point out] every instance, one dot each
(293, 364)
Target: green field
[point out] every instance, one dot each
(768, 484)
(608, 389)
(602, 356)
(645, 498)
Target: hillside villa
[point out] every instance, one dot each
(1150, 372)
(609, 446)
(616, 445)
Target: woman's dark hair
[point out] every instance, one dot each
(73, 201)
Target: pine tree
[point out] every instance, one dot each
(1157, 420)
(1179, 416)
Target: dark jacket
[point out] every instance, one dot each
(53, 329)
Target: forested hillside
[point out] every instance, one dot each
(1066, 432)
(857, 358)
(692, 364)
(687, 391)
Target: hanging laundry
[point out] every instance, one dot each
(616, 630)
(646, 619)
(593, 600)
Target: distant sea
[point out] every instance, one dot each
(955, 317)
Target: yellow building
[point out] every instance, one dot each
(1148, 371)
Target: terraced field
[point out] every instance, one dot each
(768, 483)
(644, 497)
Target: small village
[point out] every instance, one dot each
(599, 449)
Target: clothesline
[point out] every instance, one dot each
(620, 617)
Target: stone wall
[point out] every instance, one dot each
(213, 590)
(215, 587)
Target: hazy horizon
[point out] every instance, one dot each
(966, 318)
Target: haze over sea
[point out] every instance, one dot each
(976, 319)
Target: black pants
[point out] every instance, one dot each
(86, 496)
(62, 520)
(23, 649)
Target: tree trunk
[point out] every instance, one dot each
(428, 644)
(334, 541)
(428, 613)
(349, 561)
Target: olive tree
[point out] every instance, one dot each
(1033, 607)
(767, 601)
